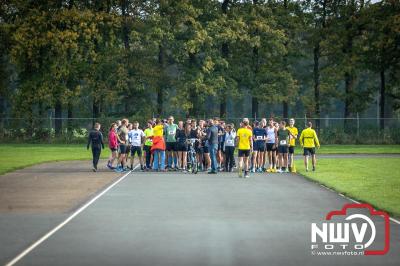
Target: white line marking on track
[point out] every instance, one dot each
(353, 200)
(58, 227)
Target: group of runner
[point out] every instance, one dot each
(264, 146)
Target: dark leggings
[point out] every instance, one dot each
(229, 158)
(147, 149)
(96, 155)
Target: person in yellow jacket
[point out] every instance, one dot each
(292, 144)
(308, 140)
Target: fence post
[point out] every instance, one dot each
(358, 125)
(50, 124)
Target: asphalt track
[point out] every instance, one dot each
(182, 219)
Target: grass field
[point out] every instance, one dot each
(357, 149)
(17, 156)
(372, 180)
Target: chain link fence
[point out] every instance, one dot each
(357, 130)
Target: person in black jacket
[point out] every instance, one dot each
(96, 140)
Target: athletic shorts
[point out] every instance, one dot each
(123, 148)
(220, 146)
(283, 149)
(171, 146)
(259, 146)
(270, 146)
(291, 149)
(243, 153)
(147, 148)
(137, 150)
(199, 149)
(205, 149)
(309, 151)
(181, 146)
(113, 149)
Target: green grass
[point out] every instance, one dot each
(349, 149)
(17, 156)
(372, 180)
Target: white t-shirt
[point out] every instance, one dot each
(135, 137)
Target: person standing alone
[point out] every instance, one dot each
(308, 140)
(96, 140)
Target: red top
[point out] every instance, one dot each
(112, 140)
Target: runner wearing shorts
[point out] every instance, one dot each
(283, 145)
(292, 143)
(220, 153)
(136, 139)
(204, 146)
(112, 144)
(259, 137)
(123, 147)
(182, 147)
(148, 133)
(271, 143)
(308, 139)
(244, 140)
(170, 138)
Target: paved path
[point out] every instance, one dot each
(177, 219)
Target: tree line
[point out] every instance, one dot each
(137, 57)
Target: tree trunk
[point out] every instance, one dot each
(317, 110)
(58, 116)
(160, 96)
(96, 111)
(70, 116)
(349, 82)
(382, 101)
(125, 29)
(225, 53)
(285, 109)
(222, 108)
(254, 107)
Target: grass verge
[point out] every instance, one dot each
(357, 149)
(17, 156)
(371, 180)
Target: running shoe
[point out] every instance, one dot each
(94, 169)
(269, 170)
(313, 168)
(109, 166)
(246, 175)
(118, 170)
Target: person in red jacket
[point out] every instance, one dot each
(112, 144)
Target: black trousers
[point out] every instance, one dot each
(96, 155)
(229, 158)
(147, 149)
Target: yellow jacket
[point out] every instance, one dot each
(308, 138)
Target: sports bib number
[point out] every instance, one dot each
(171, 132)
(229, 141)
(283, 142)
(136, 136)
(259, 137)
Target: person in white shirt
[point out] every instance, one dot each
(229, 147)
(136, 139)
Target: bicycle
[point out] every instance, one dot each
(192, 164)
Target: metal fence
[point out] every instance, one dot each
(331, 130)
